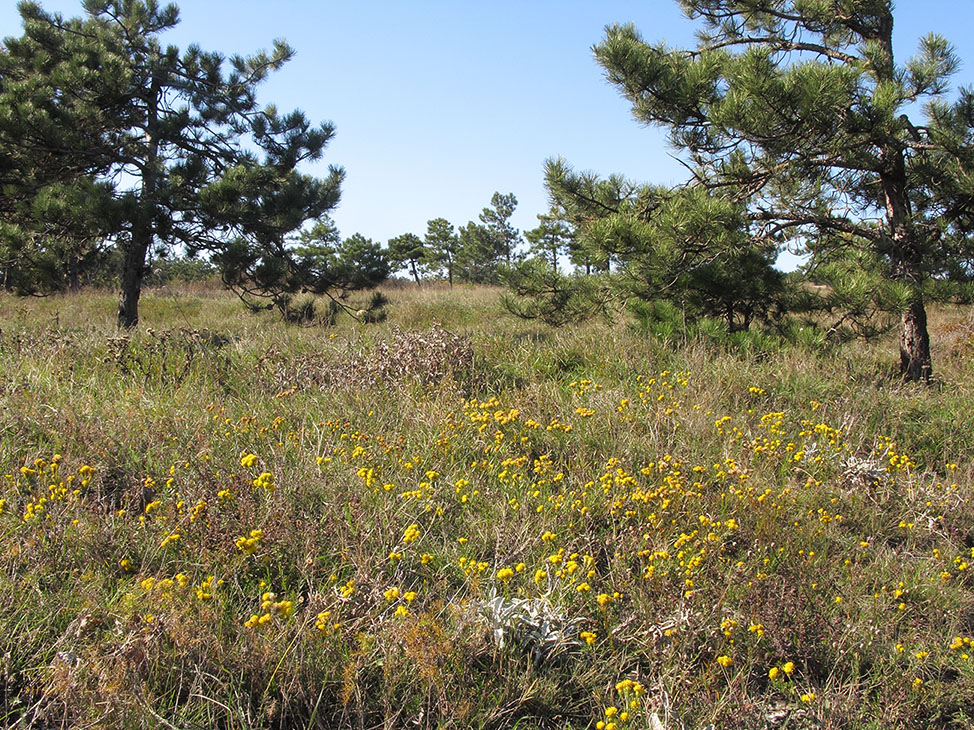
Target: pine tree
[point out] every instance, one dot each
(442, 246)
(192, 159)
(796, 112)
(407, 251)
(504, 238)
(52, 144)
(478, 255)
(312, 261)
(488, 246)
(685, 245)
(551, 238)
(608, 215)
(360, 263)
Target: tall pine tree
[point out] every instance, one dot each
(551, 238)
(796, 113)
(193, 160)
(496, 219)
(442, 246)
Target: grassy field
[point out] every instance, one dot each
(459, 519)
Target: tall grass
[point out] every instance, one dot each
(458, 519)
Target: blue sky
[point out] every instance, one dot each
(440, 103)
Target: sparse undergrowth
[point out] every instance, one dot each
(453, 520)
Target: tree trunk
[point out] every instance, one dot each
(74, 281)
(915, 364)
(143, 228)
(412, 265)
(904, 247)
(133, 270)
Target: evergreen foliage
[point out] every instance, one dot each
(684, 245)
(311, 262)
(407, 251)
(796, 120)
(485, 248)
(478, 256)
(496, 219)
(552, 238)
(360, 263)
(175, 142)
(539, 292)
(52, 144)
(181, 270)
(442, 247)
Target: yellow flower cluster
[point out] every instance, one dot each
(249, 543)
(205, 590)
(271, 608)
(324, 623)
(264, 481)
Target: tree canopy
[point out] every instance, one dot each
(796, 120)
(311, 261)
(799, 133)
(442, 246)
(407, 251)
(176, 140)
(54, 146)
(485, 247)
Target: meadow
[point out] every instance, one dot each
(455, 518)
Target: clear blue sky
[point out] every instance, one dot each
(440, 103)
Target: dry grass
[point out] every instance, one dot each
(457, 519)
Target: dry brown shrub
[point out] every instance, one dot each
(410, 357)
(426, 357)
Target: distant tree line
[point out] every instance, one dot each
(131, 163)
(479, 252)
